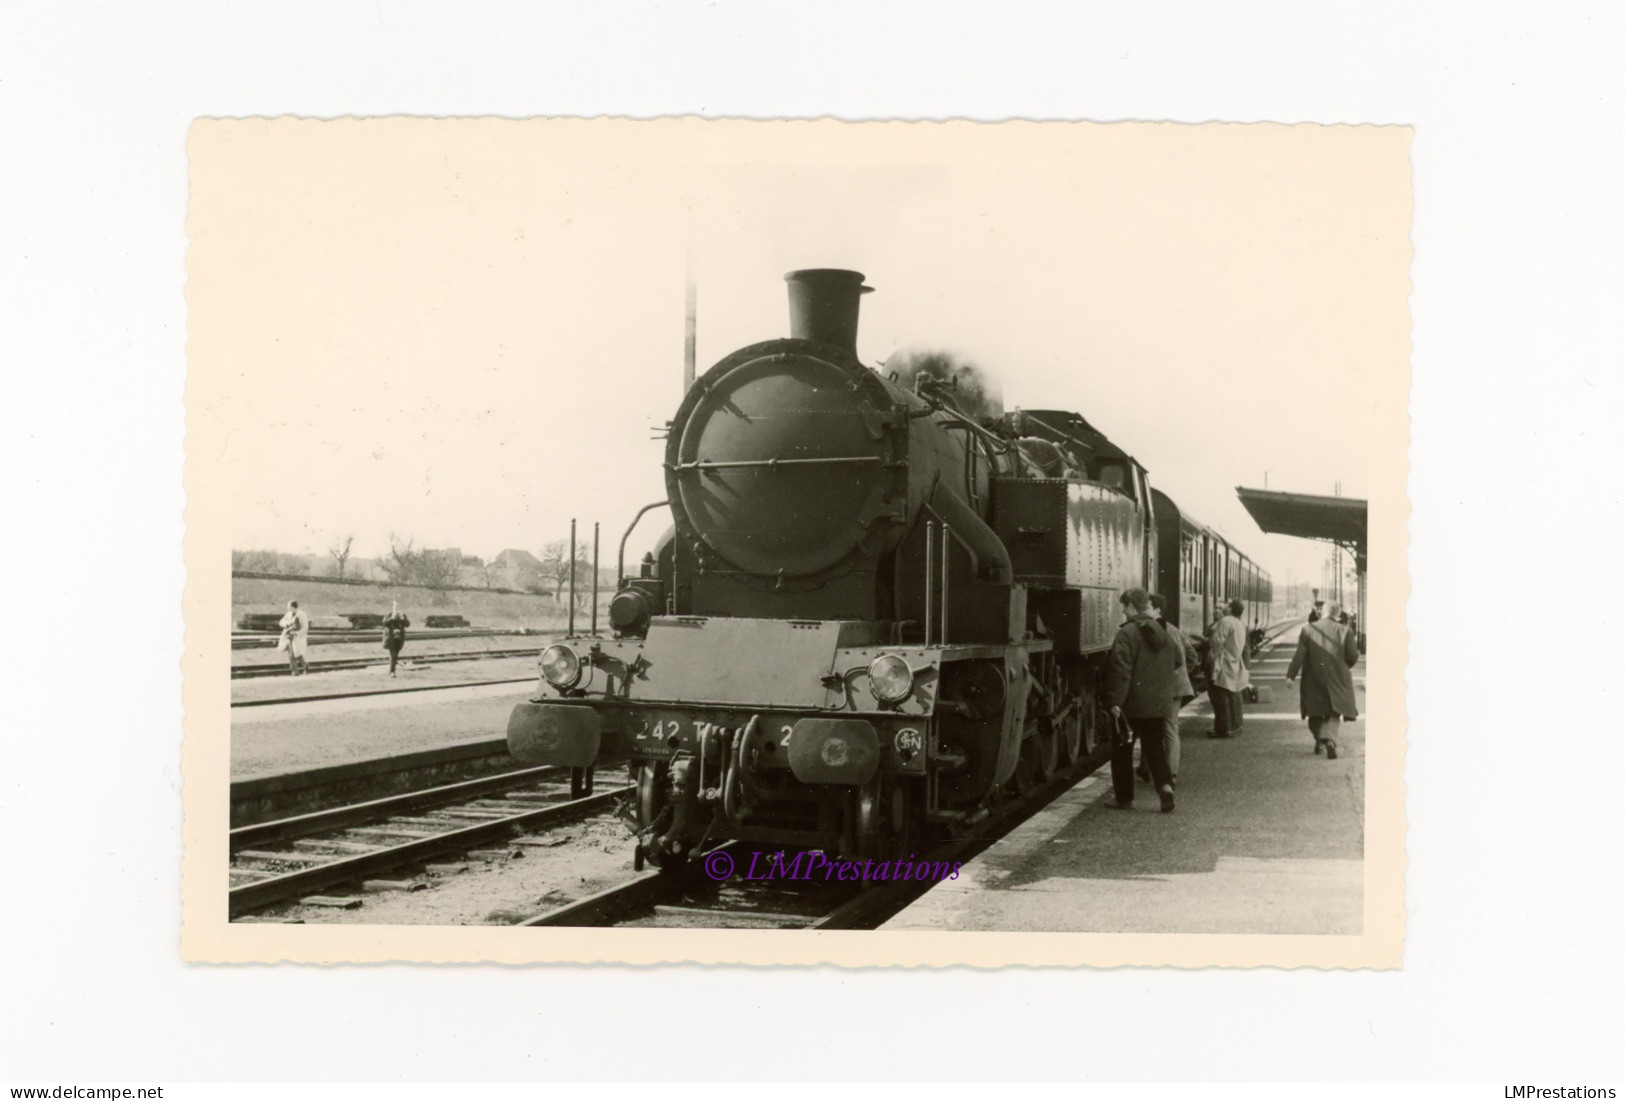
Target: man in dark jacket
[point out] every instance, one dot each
(1140, 687)
(395, 625)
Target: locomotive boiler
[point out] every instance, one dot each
(875, 610)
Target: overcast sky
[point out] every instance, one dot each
(469, 332)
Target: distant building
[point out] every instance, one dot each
(517, 560)
(516, 569)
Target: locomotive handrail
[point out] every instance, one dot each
(962, 420)
(729, 464)
(620, 557)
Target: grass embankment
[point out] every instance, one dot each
(482, 609)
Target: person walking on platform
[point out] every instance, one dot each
(1326, 652)
(1183, 693)
(1140, 686)
(1226, 652)
(295, 637)
(395, 625)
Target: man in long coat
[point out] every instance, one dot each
(295, 637)
(1327, 650)
(1226, 649)
(1140, 686)
(1183, 692)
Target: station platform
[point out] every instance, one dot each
(1266, 837)
(288, 737)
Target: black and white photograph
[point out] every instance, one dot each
(1059, 548)
(791, 529)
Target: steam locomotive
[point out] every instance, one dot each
(874, 614)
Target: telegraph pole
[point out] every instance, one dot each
(688, 322)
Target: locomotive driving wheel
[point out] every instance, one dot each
(653, 813)
(1040, 751)
(884, 821)
(1069, 728)
(1091, 725)
(1043, 748)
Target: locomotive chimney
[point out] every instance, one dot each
(824, 305)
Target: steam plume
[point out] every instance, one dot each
(974, 391)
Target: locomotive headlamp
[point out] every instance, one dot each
(890, 678)
(561, 666)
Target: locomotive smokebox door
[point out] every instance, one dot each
(559, 734)
(834, 751)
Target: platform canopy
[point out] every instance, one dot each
(1338, 520)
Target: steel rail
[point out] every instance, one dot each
(271, 669)
(375, 810)
(328, 636)
(870, 908)
(249, 897)
(635, 894)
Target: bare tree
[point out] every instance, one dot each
(339, 551)
(557, 568)
(409, 564)
(438, 570)
(402, 564)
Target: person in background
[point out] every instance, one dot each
(1326, 652)
(1140, 685)
(1183, 693)
(395, 625)
(1226, 649)
(295, 638)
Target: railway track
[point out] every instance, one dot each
(241, 672)
(295, 859)
(320, 636)
(695, 896)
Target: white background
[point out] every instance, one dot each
(1513, 957)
